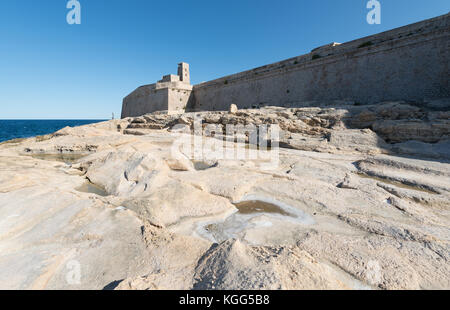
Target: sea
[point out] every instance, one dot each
(14, 129)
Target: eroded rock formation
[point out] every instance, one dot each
(361, 193)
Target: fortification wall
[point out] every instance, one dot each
(170, 96)
(145, 99)
(407, 63)
(179, 99)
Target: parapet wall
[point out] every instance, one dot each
(408, 63)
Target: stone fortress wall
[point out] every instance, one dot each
(410, 63)
(173, 93)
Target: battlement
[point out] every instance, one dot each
(170, 78)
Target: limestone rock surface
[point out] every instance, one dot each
(359, 199)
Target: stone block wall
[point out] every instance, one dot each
(145, 99)
(409, 63)
(179, 100)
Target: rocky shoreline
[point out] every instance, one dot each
(360, 199)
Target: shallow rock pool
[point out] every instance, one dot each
(253, 212)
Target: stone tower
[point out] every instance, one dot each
(183, 72)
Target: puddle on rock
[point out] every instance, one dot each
(201, 165)
(66, 158)
(252, 213)
(396, 183)
(91, 188)
(257, 206)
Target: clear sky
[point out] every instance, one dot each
(50, 69)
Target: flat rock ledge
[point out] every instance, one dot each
(359, 199)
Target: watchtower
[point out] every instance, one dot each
(183, 73)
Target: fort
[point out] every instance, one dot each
(410, 63)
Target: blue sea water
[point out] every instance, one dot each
(13, 129)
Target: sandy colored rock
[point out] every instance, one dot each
(233, 109)
(349, 209)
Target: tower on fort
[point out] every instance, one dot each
(183, 72)
(171, 94)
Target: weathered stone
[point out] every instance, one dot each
(380, 221)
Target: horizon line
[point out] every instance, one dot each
(56, 119)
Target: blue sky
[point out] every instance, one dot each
(49, 69)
